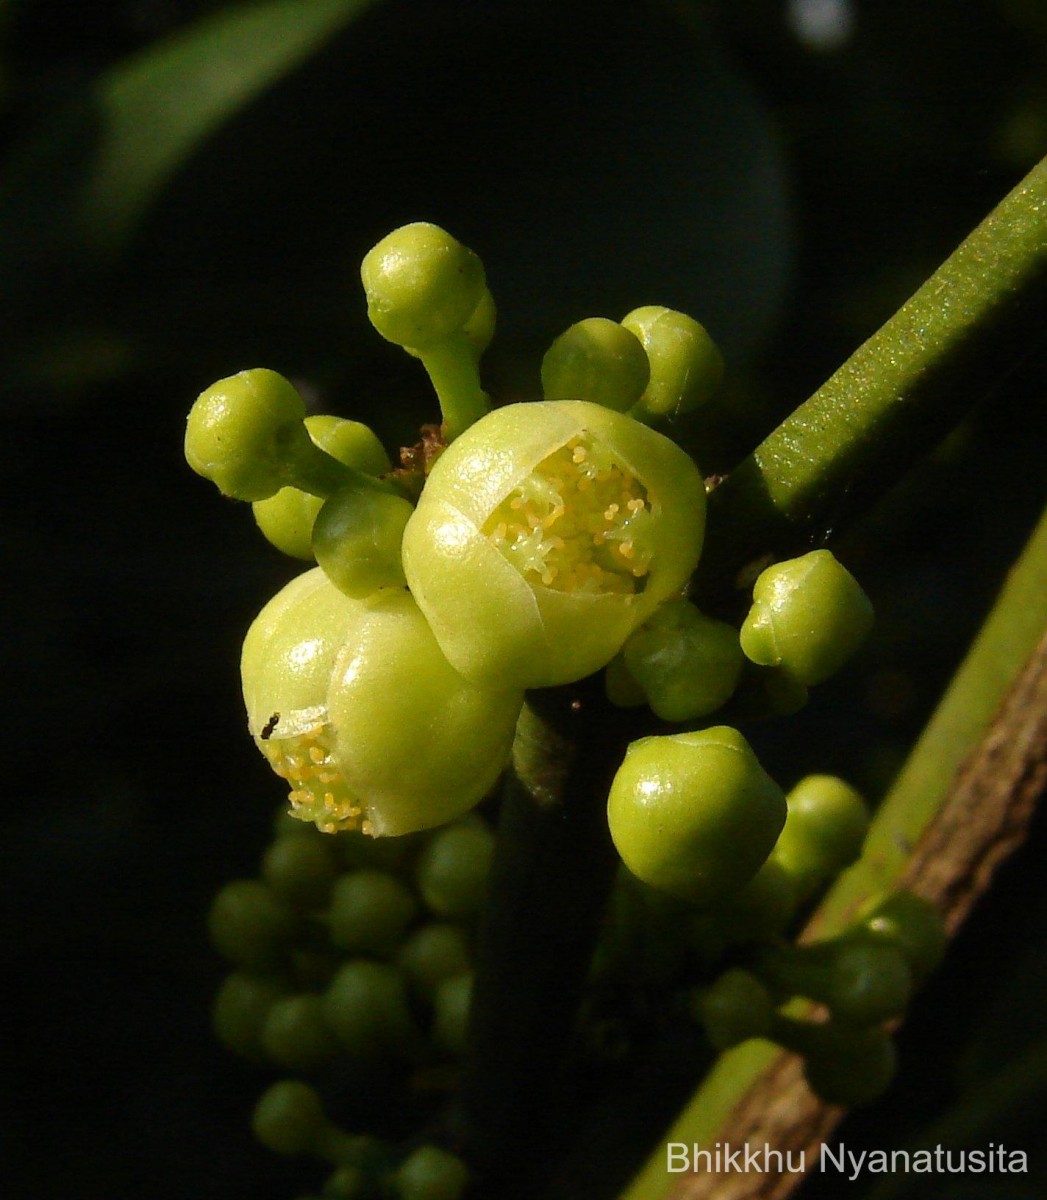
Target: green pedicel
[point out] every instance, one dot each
(287, 518)
(426, 292)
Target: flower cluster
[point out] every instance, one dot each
(531, 546)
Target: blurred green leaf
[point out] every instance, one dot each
(78, 186)
(161, 104)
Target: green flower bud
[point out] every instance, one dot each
(415, 741)
(687, 664)
(430, 1173)
(545, 535)
(808, 616)
(421, 284)
(596, 360)
(911, 924)
(244, 431)
(295, 1034)
(862, 983)
(370, 912)
(301, 870)
(436, 952)
(734, 1008)
(251, 926)
(686, 365)
(356, 540)
(286, 519)
(366, 1007)
(452, 870)
(478, 331)
(426, 292)
(353, 703)
(694, 814)
(824, 830)
(289, 1118)
(867, 983)
(240, 1010)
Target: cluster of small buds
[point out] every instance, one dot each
(352, 959)
(530, 546)
(862, 981)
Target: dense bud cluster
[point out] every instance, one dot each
(521, 547)
(352, 961)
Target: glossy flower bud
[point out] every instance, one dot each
(243, 431)
(415, 741)
(545, 534)
(251, 926)
(687, 663)
(824, 830)
(301, 870)
(694, 814)
(357, 538)
(596, 360)
(353, 703)
(478, 331)
(686, 364)
(287, 518)
(422, 285)
(809, 616)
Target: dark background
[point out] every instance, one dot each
(786, 172)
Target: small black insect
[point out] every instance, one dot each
(269, 726)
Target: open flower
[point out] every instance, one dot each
(545, 534)
(353, 704)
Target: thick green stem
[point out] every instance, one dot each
(320, 474)
(551, 877)
(894, 398)
(452, 368)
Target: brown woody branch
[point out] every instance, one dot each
(984, 819)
